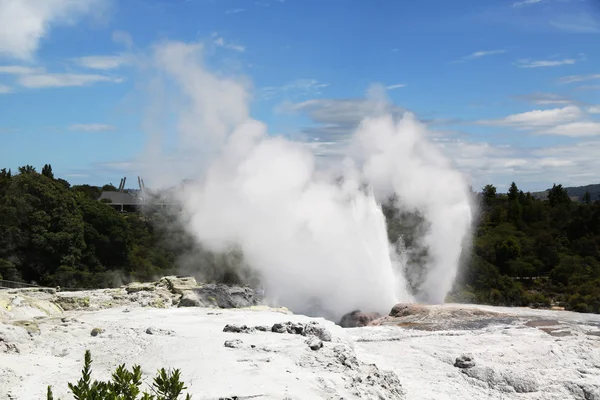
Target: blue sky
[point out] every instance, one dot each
(510, 89)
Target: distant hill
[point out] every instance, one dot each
(576, 192)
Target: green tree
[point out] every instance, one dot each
(489, 195)
(513, 192)
(125, 385)
(26, 169)
(47, 171)
(587, 198)
(92, 192)
(558, 196)
(42, 227)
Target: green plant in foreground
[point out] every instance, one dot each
(125, 385)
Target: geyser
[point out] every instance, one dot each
(319, 242)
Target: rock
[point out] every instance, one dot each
(464, 361)
(6, 347)
(346, 356)
(224, 296)
(404, 310)
(179, 284)
(262, 328)
(288, 327)
(96, 331)
(317, 330)
(314, 343)
(189, 299)
(279, 328)
(155, 331)
(542, 322)
(238, 329)
(357, 319)
(233, 344)
(72, 302)
(135, 287)
(295, 328)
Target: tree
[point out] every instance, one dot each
(4, 173)
(92, 192)
(47, 171)
(41, 225)
(489, 194)
(515, 209)
(513, 192)
(26, 169)
(558, 196)
(125, 385)
(587, 198)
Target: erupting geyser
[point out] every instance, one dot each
(312, 237)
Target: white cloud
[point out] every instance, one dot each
(18, 69)
(220, 41)
(481, 53)
(574, 129)
(92, 127)
(554, 162)
(525, 3)
(526, 63)
(593, 109)
(235, 11)
(122, 37)
(63, 80)
(24, 23)
(541, 98)
(570, 121)
(538, 118)
(5, 89)
(397, 86)
(532, 168)
(103, 62)
(578, 78)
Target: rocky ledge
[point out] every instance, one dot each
(170, 291)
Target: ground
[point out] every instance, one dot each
(516, 353)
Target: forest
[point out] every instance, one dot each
(525, 250)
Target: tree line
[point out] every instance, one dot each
(525, 251)
(529, 251)
(55, 234)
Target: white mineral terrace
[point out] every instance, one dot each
(509, 353)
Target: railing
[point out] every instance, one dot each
(4, 285)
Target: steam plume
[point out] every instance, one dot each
(319, 243)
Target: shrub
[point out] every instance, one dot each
(125, 385)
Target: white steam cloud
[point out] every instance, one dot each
(318, 242)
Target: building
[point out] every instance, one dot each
(122, 201)
(134, 200)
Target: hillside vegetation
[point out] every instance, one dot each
(525, 251)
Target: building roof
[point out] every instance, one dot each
(120, 198)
